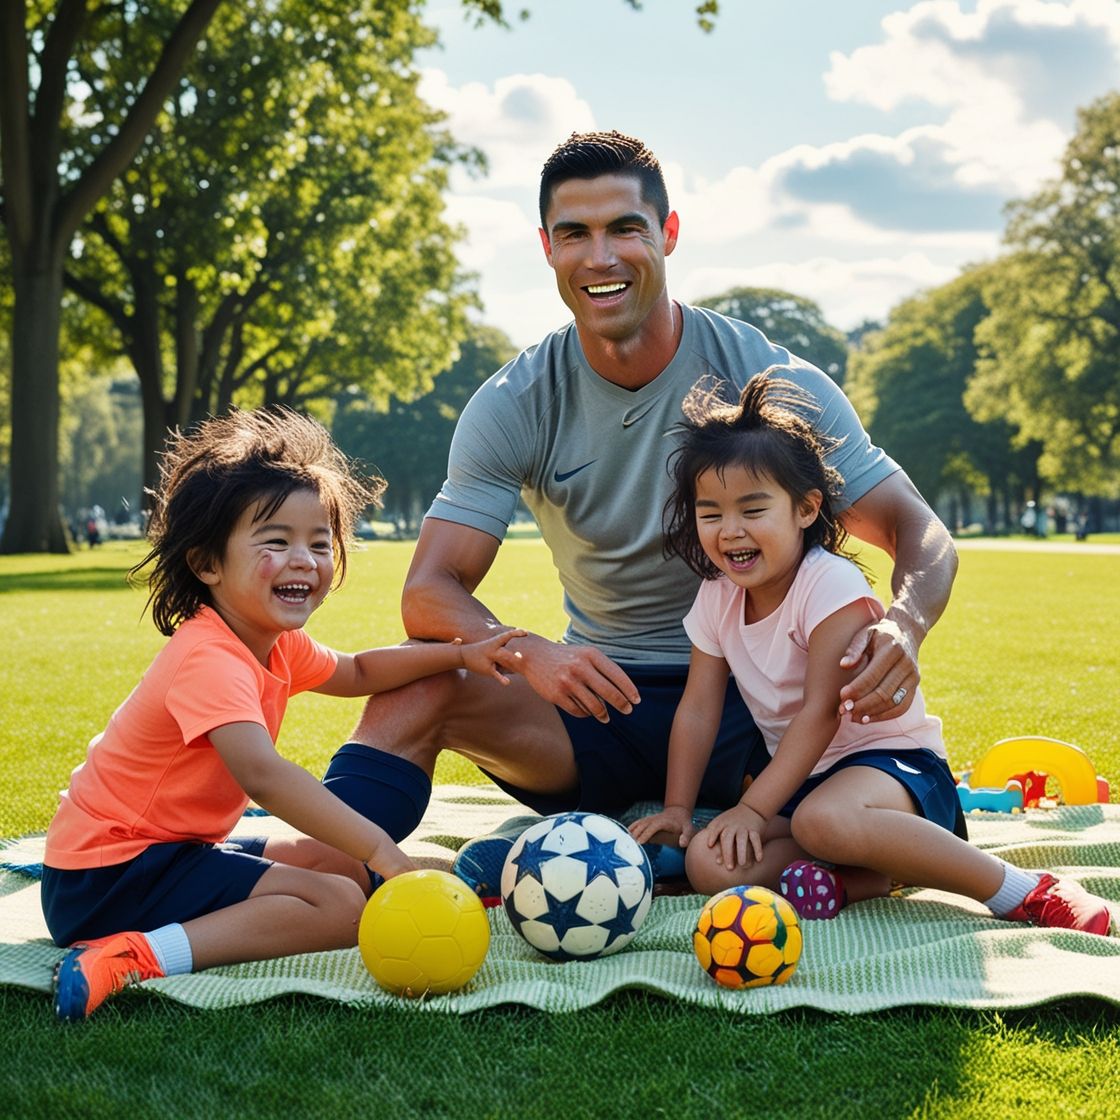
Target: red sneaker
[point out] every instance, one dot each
(93, 971)
(1063, 904)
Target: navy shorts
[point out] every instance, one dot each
(624, 761)
(925, 776)
(164, 883)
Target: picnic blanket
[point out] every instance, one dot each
(924, 948)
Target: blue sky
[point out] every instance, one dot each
(852, 151)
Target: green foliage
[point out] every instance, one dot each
(407, 441)
(908, 382)
(1053, 336)
(792, 321)
(279, 235)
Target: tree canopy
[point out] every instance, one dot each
(792, 321)
(1052, 360)
(908, 382)
(279, 235)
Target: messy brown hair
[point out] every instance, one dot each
(765, 433)
(212, 473)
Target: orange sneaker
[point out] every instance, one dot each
(1063, 904)
(91, 972)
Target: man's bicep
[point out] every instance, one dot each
(891, 507)
(449, 550)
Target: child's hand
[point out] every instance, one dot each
(734, 831)
(388, 860)
(674, 820)
(486, 656)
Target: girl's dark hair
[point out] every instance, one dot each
(765, 433)
(587, 155)
(210, 475)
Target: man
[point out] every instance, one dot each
(581, 427)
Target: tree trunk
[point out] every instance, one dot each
(34, 524)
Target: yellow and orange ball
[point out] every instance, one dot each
(747, 937)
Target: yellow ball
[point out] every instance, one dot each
(747, 937)
(423, 933)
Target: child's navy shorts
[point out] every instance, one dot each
(164, 883)
(625, 760)
(925, 775)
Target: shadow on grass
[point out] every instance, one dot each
(67, 579)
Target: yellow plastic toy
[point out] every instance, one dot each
(1068, 765)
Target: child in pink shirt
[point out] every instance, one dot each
(752, 514)
(140, 875)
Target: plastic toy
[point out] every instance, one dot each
(1068, 765)
(1009, 799)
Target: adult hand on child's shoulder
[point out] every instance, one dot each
(580, 679)
(886, 657)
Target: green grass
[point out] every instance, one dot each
(1028, 646)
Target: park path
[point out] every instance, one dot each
(1007, 544)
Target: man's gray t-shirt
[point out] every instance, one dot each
(590, 459)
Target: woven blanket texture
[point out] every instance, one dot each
(927, 948)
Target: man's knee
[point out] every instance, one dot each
(409, 721)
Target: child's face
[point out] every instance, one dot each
(274, 572)
(752, 530)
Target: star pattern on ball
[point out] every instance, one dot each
(602, 858)
(562, 916)
(622, 924)
(531, 858)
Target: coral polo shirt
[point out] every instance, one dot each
(152, 776)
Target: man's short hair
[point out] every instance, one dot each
(587, 155)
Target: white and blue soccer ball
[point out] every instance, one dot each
(577, 886)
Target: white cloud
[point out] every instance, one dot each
(515, 122)
(492, 227)
(1009, 75)
(847, 291)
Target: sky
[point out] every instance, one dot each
(851, 151)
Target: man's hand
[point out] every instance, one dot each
(580, 679)
(737, 832)
(887, 658)
(675, 821)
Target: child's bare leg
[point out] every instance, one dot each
(291, 910)
(863, 817)
(303, 851)
(707, 876)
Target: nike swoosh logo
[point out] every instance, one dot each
(563, 476)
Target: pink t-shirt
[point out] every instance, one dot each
(769, 658)
(152, 776)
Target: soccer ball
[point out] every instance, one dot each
(423, 932)
(577, 886)
(747, 937)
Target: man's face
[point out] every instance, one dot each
(608, 251)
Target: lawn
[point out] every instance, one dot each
(1028, 646)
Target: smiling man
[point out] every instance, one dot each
(582, 426)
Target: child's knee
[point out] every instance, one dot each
(704, 874)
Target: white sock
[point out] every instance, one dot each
(172, 949)
(1017, 884)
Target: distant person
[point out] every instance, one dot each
(1028, 522)
(251, 519)
(752, 516)
(93, 532)
(1081, 526)
(577, 427)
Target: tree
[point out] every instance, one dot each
(908, 381)
(791, 321)
(49, 188)
(407, 441)
(279, 235)
(1053, 335)
(54, 168)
